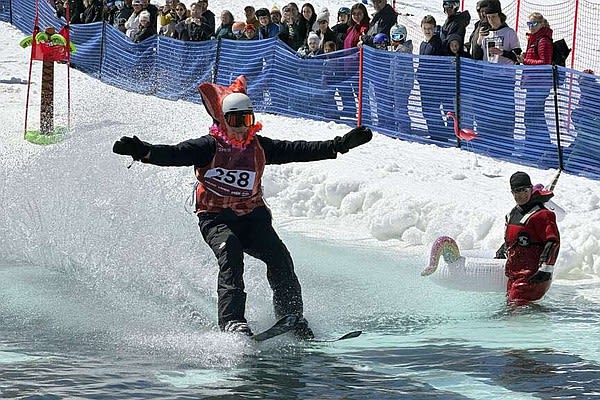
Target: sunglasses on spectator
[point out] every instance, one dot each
(240, 118)
(180, 9)
(532, 24)
(521, 189)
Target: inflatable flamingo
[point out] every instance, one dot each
(458, 272)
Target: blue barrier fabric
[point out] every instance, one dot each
(512, 108)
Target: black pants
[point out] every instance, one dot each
(230, 236)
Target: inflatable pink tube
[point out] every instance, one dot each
(457, 272)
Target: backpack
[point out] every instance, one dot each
(560, 52)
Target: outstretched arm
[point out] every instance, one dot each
(284, 151)
(198, 151)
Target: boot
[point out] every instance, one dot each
(238, 327)
(302, 331)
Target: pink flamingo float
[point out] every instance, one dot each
(464, 133)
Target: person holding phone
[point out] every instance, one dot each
(500, 40)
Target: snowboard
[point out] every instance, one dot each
(349, 335)
(285, 324)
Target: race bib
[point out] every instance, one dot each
(235, 182)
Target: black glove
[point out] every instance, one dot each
(133, 147)
(356, 137)
(540, 276)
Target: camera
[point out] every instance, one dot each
(484, 26)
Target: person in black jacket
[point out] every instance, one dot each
(456, 23)
(381, 22)
(229, 163)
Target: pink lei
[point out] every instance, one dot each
(215, 130)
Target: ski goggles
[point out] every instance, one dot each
(397, 36)
(240, 118)
(532, 24)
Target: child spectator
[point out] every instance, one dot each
(267, 28)
(434, 90)
(238, 29)
(329, 47)
(250, 32)
(145, 28)
(455, 46)
(312, 48)
(275, 15)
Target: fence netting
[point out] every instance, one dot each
(512, 108)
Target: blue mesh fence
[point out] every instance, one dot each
(181, 66)
(88, 41)
(5, 11)
(512, 108)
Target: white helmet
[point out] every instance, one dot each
(398, 33)
(236, 102)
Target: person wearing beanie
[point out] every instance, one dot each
(267, 28)
(234, 220)
(312, 47)
(456, 23)
(275, 15)
(145, 28)
(531, 242)
(324, 31)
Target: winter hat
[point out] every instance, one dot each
(145, 16)
(262, 12)
(136, 3)
(275, 10)
(313, 37)
(519, 180)
(493, 7)
(323, 15)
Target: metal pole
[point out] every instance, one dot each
(360, 87)
(556, 116)
(457, 97)
(574, 43)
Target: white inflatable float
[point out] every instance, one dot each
(462, 273)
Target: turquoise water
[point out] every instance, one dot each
(74, 332)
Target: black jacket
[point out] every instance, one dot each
(455, 24)
(200, 152)
(382, 22)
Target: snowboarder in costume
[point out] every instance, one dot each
(233, 218)
(531, 242)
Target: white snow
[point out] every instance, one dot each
(387, 193)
